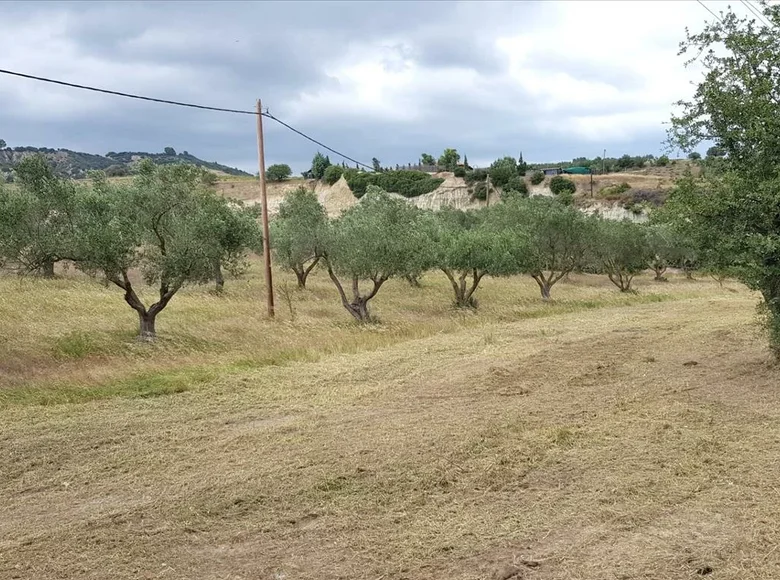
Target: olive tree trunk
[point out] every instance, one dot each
(414, 280)
(547, 281)
(47, 269)
(659, 268)
(621, 279)
(147, 317)
(302, 272)
(358, 305)
(147, 331)
(771, 293)
(219, 279)
(464, 290)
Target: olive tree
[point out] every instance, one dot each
(278, 172)
(737, 106)
(42, 206)
(619, 249)
(157, 225)
(297, 233)
(373, 241)
(233, 229)
(661, 249)
(556, 236)
(467, 248)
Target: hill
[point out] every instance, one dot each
(76, 164)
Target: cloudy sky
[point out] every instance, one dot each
(553, 80)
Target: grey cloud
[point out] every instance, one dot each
(281, 50)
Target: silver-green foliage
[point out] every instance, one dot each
(297, 233)
(373, 241)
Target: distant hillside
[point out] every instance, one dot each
(76, 164)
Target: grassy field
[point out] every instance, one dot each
(603, 436)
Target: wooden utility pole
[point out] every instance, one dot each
(487, 190)
(603, 160)
(269, 286)
(591, 183)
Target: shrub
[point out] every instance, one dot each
(402, 182)
(649, 196)
(476, 175)
(278, 172)
(117, 171)
(560, 184)
(566, 197)
(518, 185)
(537, 177)
(614, 191)
(209, 178)
(662, 161)
(460, 172)
(694, 155)
(479, 191)
(333, 174)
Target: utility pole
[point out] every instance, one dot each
(603, 159)
(269, 286)
(591, 183)
(487, 190)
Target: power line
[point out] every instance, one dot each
(756, 13)
(181, 104)
(760, 15)
(708, 10)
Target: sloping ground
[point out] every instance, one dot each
(453, 192)
(639, 443)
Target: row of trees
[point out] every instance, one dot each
(168, 224)
(384, 237)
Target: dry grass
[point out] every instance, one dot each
(573, 440)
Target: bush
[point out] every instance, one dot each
(333, 174)
(402, 182)
(694, 155)
(475, 176)
(209, 178)
(278, 172)
(537, 177)
(566, 197)
(117, 171)
(517, 184)
(649, 196)
(479, 191)
(614, 191)
(460, 172)
(662, 161)
(560, 184)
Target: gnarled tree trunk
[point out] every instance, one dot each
(547, 281)
(358, 306)
(47, 269)
(146, 316)
(414, 280)
(302, 272)
(219, 279)
(770, 290)
(464, 291)
(621, 279)
(659, 268)
(147, 331)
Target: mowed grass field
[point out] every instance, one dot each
(603, 436)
